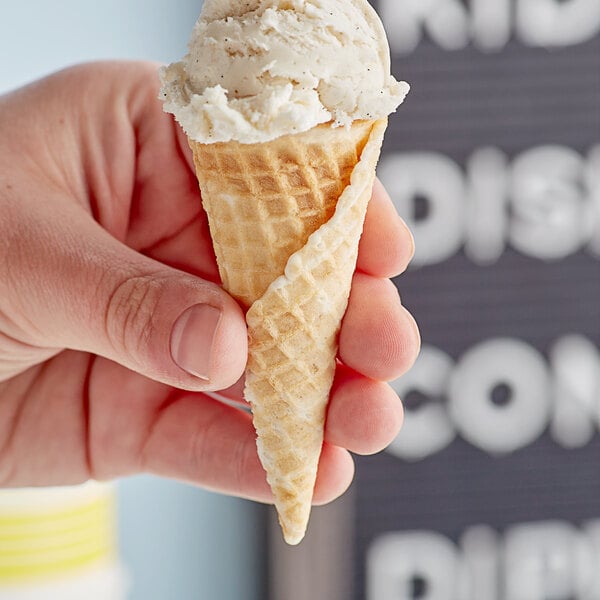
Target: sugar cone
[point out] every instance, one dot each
(285, 218)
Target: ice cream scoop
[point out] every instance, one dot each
(260, 69)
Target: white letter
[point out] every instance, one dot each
(592, 177)
(542, 561)
(487, 206)
(521, 417)
(439, 181)
(396, 560)
(590, 572)
(445, 20)
(557, 22)
(575, 364)
(427, 429)
(547, 201)
(491, 23)
(480, 572)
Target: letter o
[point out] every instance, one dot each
(491, 427)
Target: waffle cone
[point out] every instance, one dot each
(286, 217)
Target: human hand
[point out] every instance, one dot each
(103, 248)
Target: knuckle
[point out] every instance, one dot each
(130, 312)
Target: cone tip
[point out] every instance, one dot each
(294, 532)
(293, 538)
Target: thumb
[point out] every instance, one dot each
(79, 288)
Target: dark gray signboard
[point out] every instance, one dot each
(492, 489)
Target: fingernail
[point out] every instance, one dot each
(192, 339)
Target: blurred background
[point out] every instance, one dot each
(492, 489)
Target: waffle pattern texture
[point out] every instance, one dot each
(286, 218)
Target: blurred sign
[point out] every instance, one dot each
(492, 489)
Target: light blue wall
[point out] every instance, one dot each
(38, 36)
(183, 543)
(178, 542)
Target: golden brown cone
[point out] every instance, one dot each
(285, 218)
(264, 200)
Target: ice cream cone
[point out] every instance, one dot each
(286, 218)
(285, 105)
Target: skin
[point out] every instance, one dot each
(103, 244)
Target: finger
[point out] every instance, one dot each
(364, 415)
(213, 445)
(336, 471)
(71, 285)
(387, 245)
(203, 441)
(379, 337)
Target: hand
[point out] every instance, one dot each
(103, 247)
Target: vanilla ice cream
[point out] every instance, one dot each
(260, 69)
